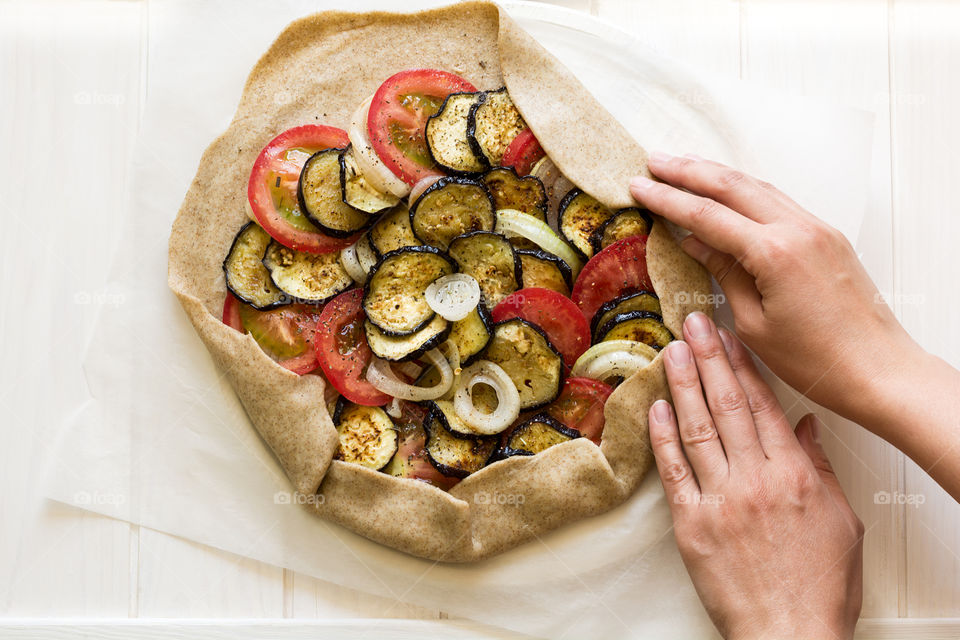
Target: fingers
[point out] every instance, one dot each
(726, 399)
(675, 472)
(698, 434)
(743, 193)
(713, 223)
(735, 281)
(776, 436)
(808, 435)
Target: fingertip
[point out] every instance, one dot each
(661, 413)
(729, 342)
(640, 186)
(659, 158)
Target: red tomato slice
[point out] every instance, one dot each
(620, 268)
(412, 447)
(285, 334)
(272, 189)
(523, 152)
(398, 115)
(343, 352)
(580, 406)
(553, 312)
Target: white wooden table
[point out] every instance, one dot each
(71, 94)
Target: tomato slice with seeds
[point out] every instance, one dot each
(398, 115)
(620, 268)
(560, 319)
(285, 334)
(272, 189)
(523, 152)
(411, 460)
(342, 349)
(580, 406)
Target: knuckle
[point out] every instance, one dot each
(767, 186)
(694, 544)
(763, 402)
(698, 431)
(705, 209)
(682, 165)
(674, 473)
(686, 384)
(731, 179)
(778, 250)
(729, 401)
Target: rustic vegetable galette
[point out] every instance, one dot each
(438, 304)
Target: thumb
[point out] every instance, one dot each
(808, 434)
(735, 281)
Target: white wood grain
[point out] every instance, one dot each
(925, 63)
(838, 51)
(70, 74)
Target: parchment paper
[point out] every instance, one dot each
(163, 441)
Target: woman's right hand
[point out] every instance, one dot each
(800, 298)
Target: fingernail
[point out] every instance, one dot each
(679, 353)
(727, 340)
(697, 325)
(815, 428)
(661, 411)
(641, 183)
(692, 156)
(659, 157)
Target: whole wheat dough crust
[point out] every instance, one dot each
(318, 70)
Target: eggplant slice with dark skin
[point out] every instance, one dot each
(493, 124)
(637, 301)
(639, 326)
(580, 216)
(454, 455)
(403, 348)
(472, 334)
(510, 191)
(395, 299)
(446, 135)
(490, 259)
(357, 192)
(246, 276)
(320, 192)
(535, 435)
(311, 278)
(367, 435)
(524, 352)
(392, 231)
(451, 207)
(545, 270)
(625, 223)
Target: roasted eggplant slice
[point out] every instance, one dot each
(492, 125)
(454, 455)
(524, 352)
(320, 192)
(367, 435)
(537, 434)
(555, 184)
(357, 191)
(490, 259)
(472, 333)
(545, 270)
(394, 299)
(245, 274)
(638, 301)
(392, 231)
(580, 216)
(510, 191)
(446, 134)
(632, 221)
(639, 326)
(312, 278)
(451, 207)
(401, 348)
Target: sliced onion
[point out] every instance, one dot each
(453, 296)
(378, 175)
(508, 398)
(410, 369)
(613, 358)
(422, 185)
(348, 258)
(511, 222)
(394, 410)
(365, 255)
(453, 356)
(382, 377)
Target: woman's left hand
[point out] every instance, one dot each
(772, 546)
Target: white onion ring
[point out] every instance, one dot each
(508, 398)
(453, 355)
(365, 255)
(377, 174)
(394, 410)
(382, 377)
(348, 258)
(511, 222)
(422, 185)
(453, 296)
(613, 358)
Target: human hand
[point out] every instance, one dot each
(801, 299)
(770, 542)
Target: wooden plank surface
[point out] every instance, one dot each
(72, 73)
